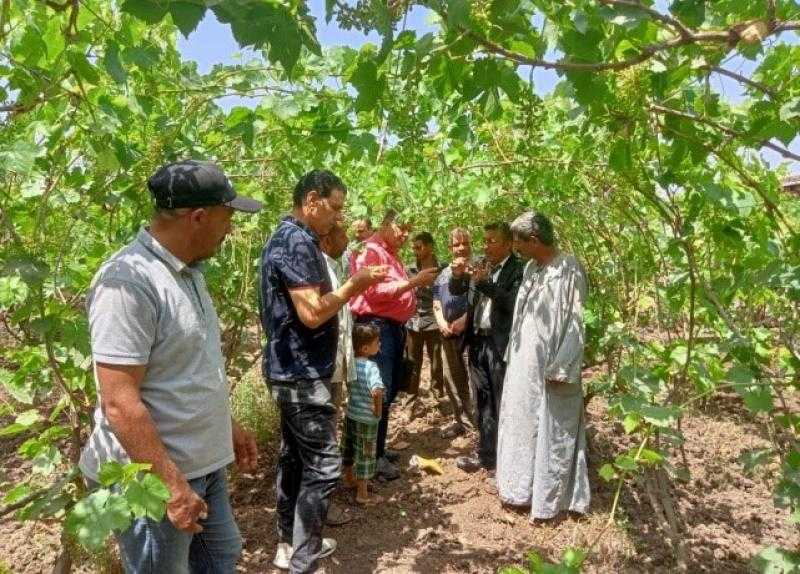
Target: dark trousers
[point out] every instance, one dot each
(309, 466)
(390, 363)
(456, 381)
(486, 371)
(418, 343)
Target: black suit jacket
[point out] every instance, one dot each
(503, 295)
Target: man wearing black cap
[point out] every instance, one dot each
(162, 389)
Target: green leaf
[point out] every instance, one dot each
(13, 429)
(759, 399)
(690, 12)
(17, 493)
(790, 110)
(650, 456)
(47, 461)
(573, 557)
(660, 416)
(774, 560)
(607, 472)
(620, 157)
(580, 21)
(631, 422)
(92, 520)
(751, 459)
(268, 25)
(149, 11)
(82, 67)
(110, 473)
(626, 462)
(508, 81)
(28, 418)
(240, 121)
(113, 64)
(54, 39)
(365, 80)
(458, 13)
(20, 157)
(186, 16)
(148, 497)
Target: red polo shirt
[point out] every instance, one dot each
(384, 299)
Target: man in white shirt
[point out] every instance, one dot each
(333, 246)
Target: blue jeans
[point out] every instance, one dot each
(390, 363)
(150, 547)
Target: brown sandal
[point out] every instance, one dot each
(371, 501)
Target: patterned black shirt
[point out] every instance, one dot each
(294, 352)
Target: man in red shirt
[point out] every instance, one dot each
(388, 305)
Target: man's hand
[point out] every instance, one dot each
(459, 325)
(425, 277)
(368, 276)
(185, 508)
(459, 266)
(445, 330)
(480, 272)
(245, 449)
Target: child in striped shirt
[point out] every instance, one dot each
(364, 403)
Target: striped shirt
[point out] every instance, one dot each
(359, 403)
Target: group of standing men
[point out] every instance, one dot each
(163, 390)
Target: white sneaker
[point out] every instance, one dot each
(328, 547)
(284, 554)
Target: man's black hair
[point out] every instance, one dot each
(424, 237)
(503, 228)
(322, 181)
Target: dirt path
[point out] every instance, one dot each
(452, 523)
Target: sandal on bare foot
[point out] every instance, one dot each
(371, 501)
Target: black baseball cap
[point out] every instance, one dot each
(192, 183)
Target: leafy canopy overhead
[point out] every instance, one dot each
(654, 178)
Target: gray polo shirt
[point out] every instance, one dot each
(147, 307)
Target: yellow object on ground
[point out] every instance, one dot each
(427, 464)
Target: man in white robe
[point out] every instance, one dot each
(333, 246)
(541, 452)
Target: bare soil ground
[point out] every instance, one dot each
(454, 523)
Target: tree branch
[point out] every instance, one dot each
(699, 119)
(745, 80)
(786, 26)
(655, 14)
(729, 36)
(56, 6)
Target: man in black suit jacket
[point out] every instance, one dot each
(492, 291)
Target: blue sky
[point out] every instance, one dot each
(212, 43)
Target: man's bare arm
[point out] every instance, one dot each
(438, 314)
(315, 309)
(137, 433)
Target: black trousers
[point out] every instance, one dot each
(309, 466)
(486, 370)
(417, 342)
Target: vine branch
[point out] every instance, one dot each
(728, 36)
(726, 130)
(745, 80)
